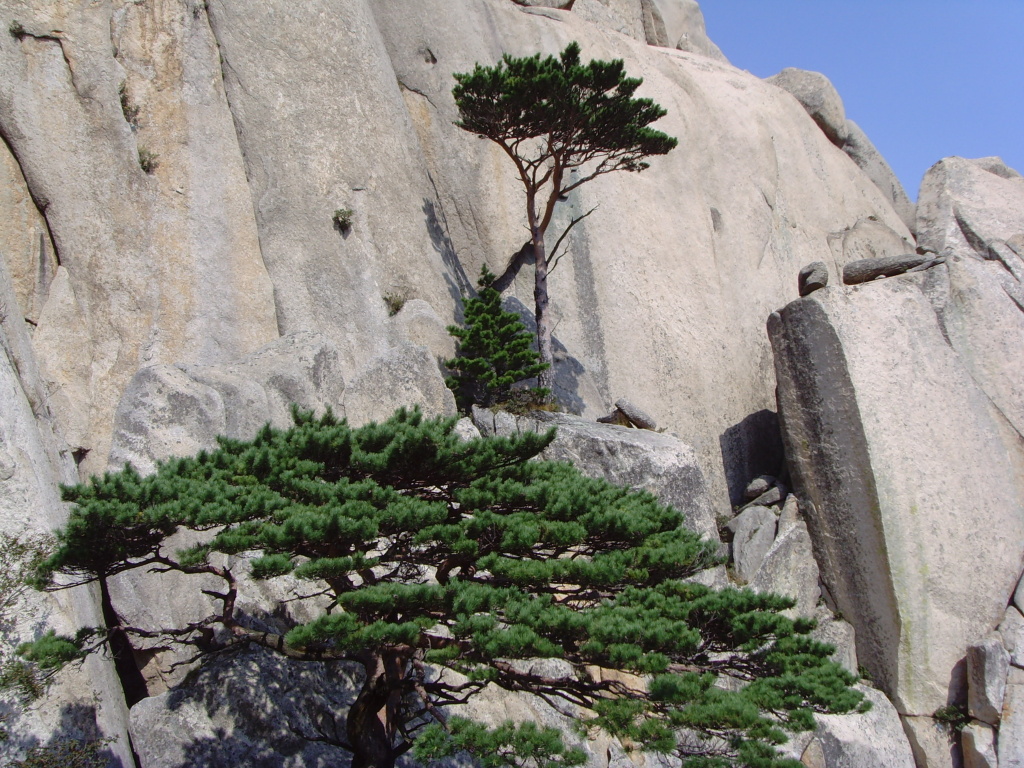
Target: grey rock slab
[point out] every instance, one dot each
(965, 205)
(178, 410)
(789, 569)
(678, 24)
(864, 270)
(932, 742)
(418, 323)
(1009, 258)
(812, 278)
(839, 633)
(637, 417)
(772, 496)
(1011, 631)
(860, 149)
(979, 746)
(818, 96)
(988, 665)
(868, 239)
(863, 377)
(753, 534)
(1010, 746)
(1018, 596)
(757, 486)
(466, 429)
(871, 740)
(634, 458)
(406, 375)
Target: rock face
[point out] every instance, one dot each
(817, 95)
(870, 454)
(847, 741)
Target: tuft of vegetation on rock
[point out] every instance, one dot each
(447, 562)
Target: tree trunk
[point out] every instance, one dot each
(372, 719)
(545, 347)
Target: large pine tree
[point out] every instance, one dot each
(441, 554)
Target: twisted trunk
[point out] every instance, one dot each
(373, 718)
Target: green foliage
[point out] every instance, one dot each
(509, 745)
(953, 716)
(343, 219)
(468, 556)
(394, 302)
(148, 161)
(129, 109)
(495, 351)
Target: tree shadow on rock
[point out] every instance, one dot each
(76, 742)
(750, 448)
(250, 707)
(458, 281)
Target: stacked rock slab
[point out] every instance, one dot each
(876, 407)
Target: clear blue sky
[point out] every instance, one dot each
(924, 79)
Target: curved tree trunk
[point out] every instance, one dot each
(372, 720)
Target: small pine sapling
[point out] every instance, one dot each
(495, 352)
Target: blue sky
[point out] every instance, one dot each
(925, 80)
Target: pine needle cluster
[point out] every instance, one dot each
(496, 351)
(445, 561)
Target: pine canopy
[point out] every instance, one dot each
(445, 556)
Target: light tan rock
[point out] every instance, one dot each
(966, 204)
(870, 740)
(868, 239)
(818, 96)
(1011, 631)
(166, 266)
(404, 376)
(860, 149)
(789, 569)
(933, 743)
(988, 664)
(979, 745)
(864, 374)
(726, 220)
(1010, 746)
(753, 534)
(678, 24)
(839, 633)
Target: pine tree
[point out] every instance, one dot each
(465, 556)
(495, 351)
(552, 116)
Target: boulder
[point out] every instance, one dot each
(635, 458)
(979, 746)
(818, 97)
(418, 323)
(868, 239)
(988, 664)
(678, 24)
(1018, 596)
(839, 633)
(757, 486)
(812, 277)
(178, 410)
(1011, 631)
(871, 740)
(866, 270)
(862, 374)
(965, 205)
(405, 375)
(1010, 746)
(860, 149)
(564, 5)
(789, 569)
(638, 418)
(933, 743)
(753, 532)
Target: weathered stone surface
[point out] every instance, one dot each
(860, 149)
(933, 744)
(1018, 596)
(635, 458)
(1011, 630)
(870, 740)
(868, 239)
(812, 277)
(678, 24)
(86, 701)
(405, 375)
(841, 634)
(417, 323)
(1010, 747)
(620, 311)
(966, 204)
(565, 5)
(638, 418)
(789, 569)
(862, 375)
(757, 486)
(866, 270)
(818, 96)
(753, 534)
(250, 708)
(979, 746)
(172, 271)
(988, 664)
(178, 410)
(770, 497)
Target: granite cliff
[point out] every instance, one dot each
(171, 271)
